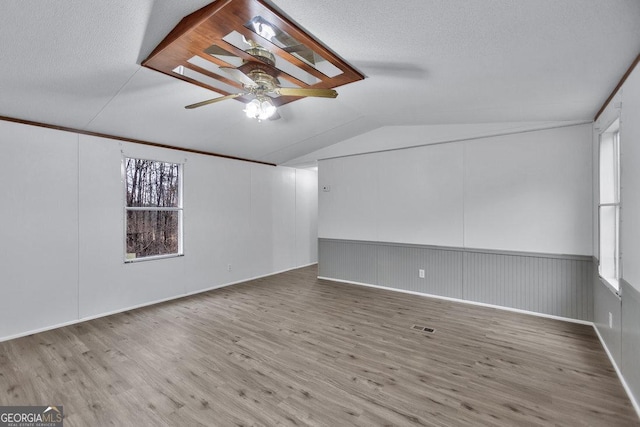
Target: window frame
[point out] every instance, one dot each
(179, 209)
(613, 132)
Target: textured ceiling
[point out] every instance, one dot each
(75, 63)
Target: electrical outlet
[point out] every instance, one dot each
(610, 320)
(421, 273)
(228, 267)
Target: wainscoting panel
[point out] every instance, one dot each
(631, 337)
(348, 260)
(398, 267)
(605, 301)
(556, 285)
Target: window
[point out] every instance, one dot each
(153, 209)
(609, 207)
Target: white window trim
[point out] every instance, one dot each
(179, 209)
(613, 283)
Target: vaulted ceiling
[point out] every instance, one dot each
(429, 63)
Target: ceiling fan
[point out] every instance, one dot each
(260, 80)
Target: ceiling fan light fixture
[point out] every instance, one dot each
(260, 108)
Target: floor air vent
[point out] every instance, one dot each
(423, 329)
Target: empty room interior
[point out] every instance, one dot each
(327, 213)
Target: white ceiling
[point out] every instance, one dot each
(429, 63)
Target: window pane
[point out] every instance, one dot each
(151, 183)
(609, 168)
(609, 242)
(152, 233)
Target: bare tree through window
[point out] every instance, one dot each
(153, 208)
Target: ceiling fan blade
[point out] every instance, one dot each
(217, 50)
(211, 101)
(239, 76)
(294, 91)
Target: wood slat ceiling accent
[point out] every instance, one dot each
(208, 26)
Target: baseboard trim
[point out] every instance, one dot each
(146, 304)
(480, 304)
(635, 404)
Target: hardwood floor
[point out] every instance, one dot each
(294, 350)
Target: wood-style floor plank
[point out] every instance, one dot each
(292, 350)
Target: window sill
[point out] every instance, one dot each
(612, 284)
(151, 258)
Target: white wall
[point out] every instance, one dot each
(62, 227)
(38, 228)
(306, 217)
(348, 209)
(273, 218)
(420, 195)
(529, 192)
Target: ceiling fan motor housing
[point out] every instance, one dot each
(262, 54)
(263, 75)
